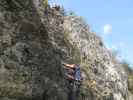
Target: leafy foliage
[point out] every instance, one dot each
(45, 2)
(127, 67)
(71, 13)
(130, 75)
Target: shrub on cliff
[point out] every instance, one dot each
(130, 75)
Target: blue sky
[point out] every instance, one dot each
(116, 14)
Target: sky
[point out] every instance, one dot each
(110, 19)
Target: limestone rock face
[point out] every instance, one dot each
(97, 62)
(30, 65)
(33, 44)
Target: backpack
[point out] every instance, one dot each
(77, 73)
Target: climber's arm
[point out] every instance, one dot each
(69, 77)
(69, 65)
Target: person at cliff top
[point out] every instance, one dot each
(74, 78)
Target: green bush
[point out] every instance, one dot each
(71, 13)
(129, 71)
(66, 35)
(45, 2)
(130, 83)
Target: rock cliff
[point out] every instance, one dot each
(35, 40)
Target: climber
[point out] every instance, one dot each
(74, 78)
(75, 73)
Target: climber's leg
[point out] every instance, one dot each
(76, 90)
(73, 90)
(70, 90)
